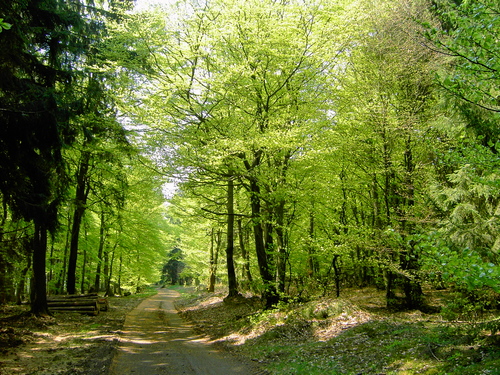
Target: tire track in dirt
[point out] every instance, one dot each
(155, 340)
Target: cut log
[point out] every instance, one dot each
(103, 303)
(79, 303)
(90, 309)
(85, 302)
(88, 295)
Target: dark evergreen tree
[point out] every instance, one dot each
(45, 45)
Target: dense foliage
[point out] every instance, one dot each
(317, 144)
(68, 172)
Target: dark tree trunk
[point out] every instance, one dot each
(282, 251)
(336, 274)
(312, 261)
(84, 270)
(120, 275)
(22, 282)
(270, 295)
(414, 296)
(6, 267)
(214, 255)
(245, 255)
(102, 238)
(80, 207)
(106, 267)
(39, 288)
(231, 273)
(390, 296)
(109, 292)
(62, 275)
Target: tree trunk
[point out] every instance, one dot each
(245, 255)
(414, 297)
(80, 207)
(62, 275)
(336, 274)
(39, 290)
(270, 295)
(215, 243)
(390, 296)
(22, 282)
(120, 275)
(282, 248)
(231, 274)
(312, 261)
(106, 267)
(110, 274)
(102, 238)
(84, 266)
(6, 267)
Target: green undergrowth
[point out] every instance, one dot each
(381, 347)
(145, 292)
(337, 336)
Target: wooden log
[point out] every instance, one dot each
(92, 302)
(73, 308)
(103, 303)
(61, 296)
(92, 309)
(89, 300)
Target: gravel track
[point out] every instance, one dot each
(156, 340)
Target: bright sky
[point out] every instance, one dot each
(145, 4)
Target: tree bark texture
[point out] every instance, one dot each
(246, 274)
(231, 273)
(269, 294)
(39, 288)
(80, 207)
(214, 255)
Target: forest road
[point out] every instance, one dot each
(156, 340)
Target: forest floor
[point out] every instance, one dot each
(353, 334)
(66, 343)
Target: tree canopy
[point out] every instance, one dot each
(318, 144)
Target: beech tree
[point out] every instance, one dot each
(388, 127)
(246, 84)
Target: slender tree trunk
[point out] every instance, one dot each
(102, 239)
(51, 264)
(336, 274)
(414, 296)
(376, 219)
(39, 290)
(245, 255)
(270, 295)
(84, 266)
(312, 261)
(80, 207)
(120, 275)
(22, 282)
(231, 273)
(62, 274)
(106, 267)
(215, 244)
(108, 281)
(6, 280)
(390, 296)
(282, 251)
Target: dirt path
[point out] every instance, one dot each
(156, 340)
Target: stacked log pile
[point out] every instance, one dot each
(84, 303)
